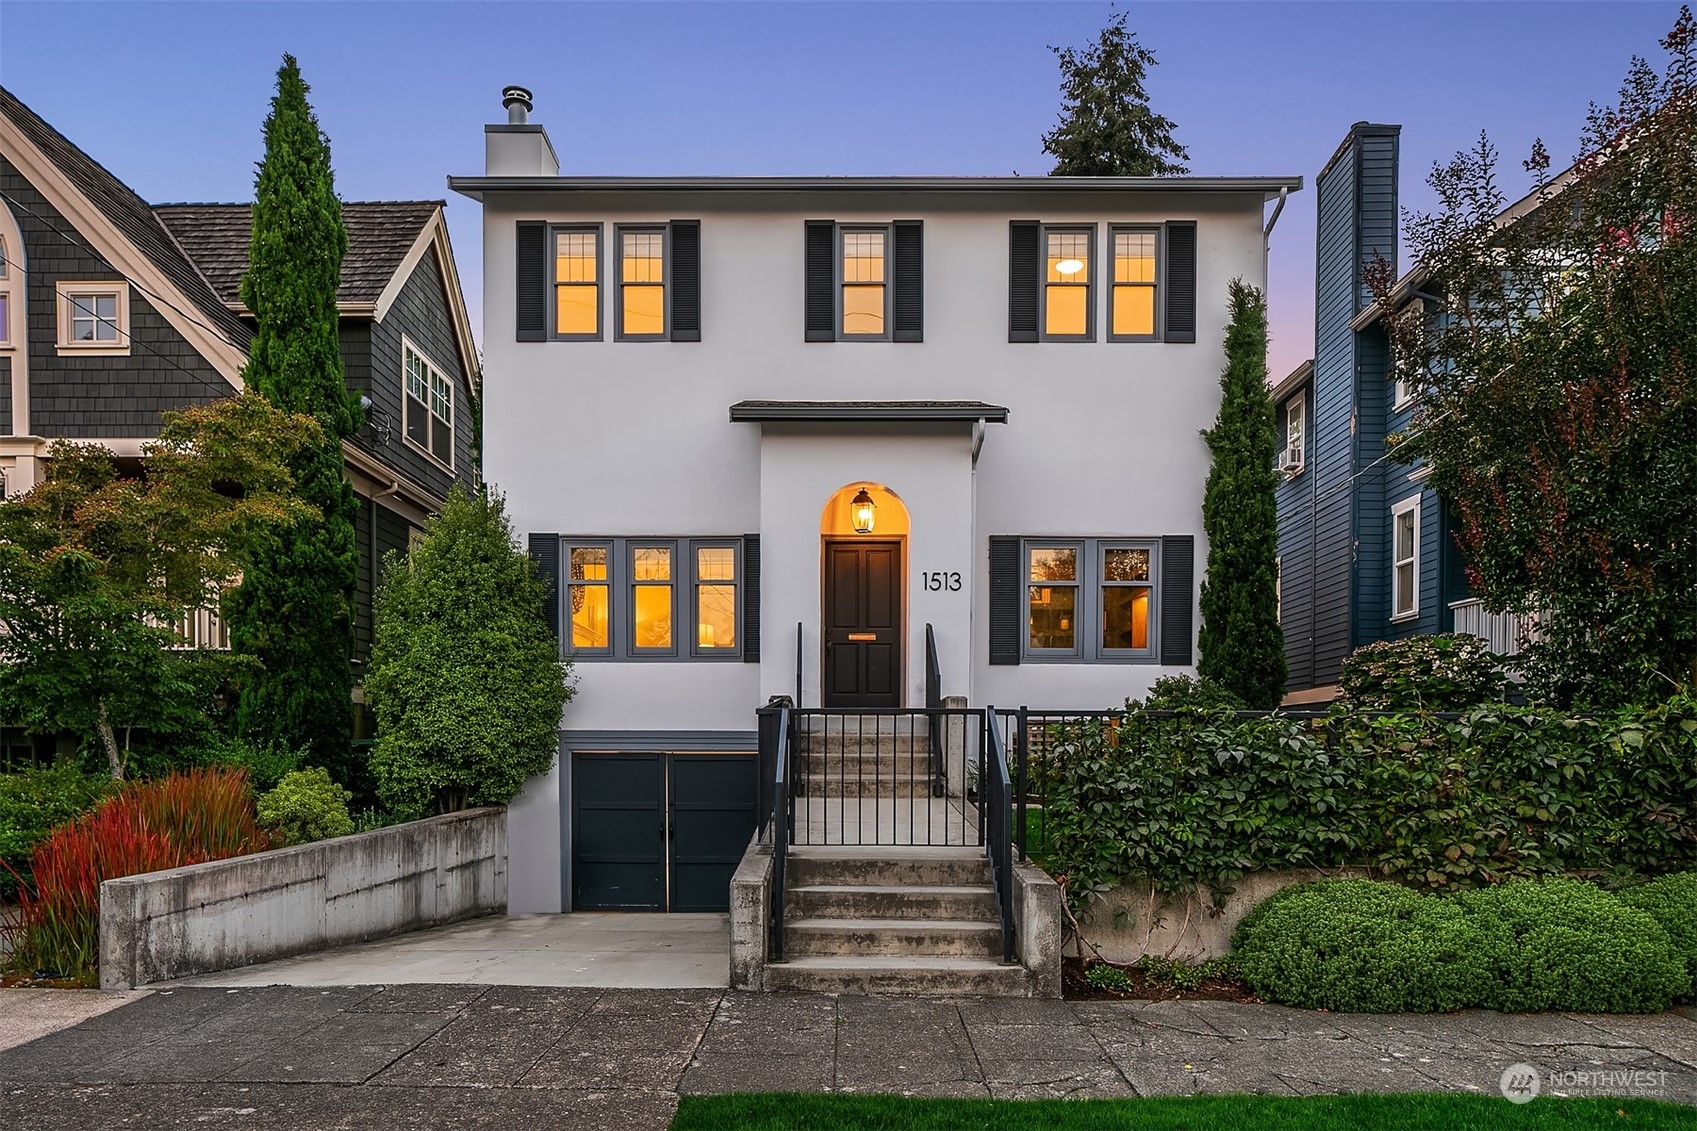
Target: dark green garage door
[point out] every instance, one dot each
(659, 831)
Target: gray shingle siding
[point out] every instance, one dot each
(422, 314)
(104, 397)
(380, 531)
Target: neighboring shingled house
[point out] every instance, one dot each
(113, 311)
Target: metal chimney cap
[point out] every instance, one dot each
(517, 101)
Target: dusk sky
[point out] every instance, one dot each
(170, 96)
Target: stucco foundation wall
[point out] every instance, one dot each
(1191, 927)
(232, 913)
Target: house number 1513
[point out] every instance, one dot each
(942, 582)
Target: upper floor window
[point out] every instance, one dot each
(642, 283)
(1067, 307)
(577, 282)
(94, 317)
(429, 406)
(1405, 558)
(1404, 394)
(1291, 458)
(1090, 599)
(5, 295)
(864, 304)
(635, 598)
(1134, 289)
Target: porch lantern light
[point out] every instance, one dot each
(864, 511)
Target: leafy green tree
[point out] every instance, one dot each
(1554, 371)
(1107, 128)
(1241, 643)
(95, 568)
(466, 678)
(294, 609)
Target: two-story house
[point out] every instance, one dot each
(841, 439)
(113, 311)
(1366, 547)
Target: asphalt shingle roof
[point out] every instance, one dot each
(131, 215)
(380, 233)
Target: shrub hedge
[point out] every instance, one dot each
(1371, 947)
(1447, 671)
(1201, 797)
(1672, 902)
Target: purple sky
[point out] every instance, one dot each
(170, 97)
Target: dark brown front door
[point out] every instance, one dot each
(863, 624)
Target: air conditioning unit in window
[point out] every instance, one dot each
(1292, 461)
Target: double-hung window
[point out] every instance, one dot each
(1090, 599)
(429, 406)
(642, 284)
(863, 281)
(1067, 292)
(577, 282)
(94, 317)
(1133, 298)
(1405, 558)
(653, 598)
(1291, 458)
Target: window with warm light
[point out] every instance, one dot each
(1090, 599)
(716, 599)
(1133, 298)
(587, 585)
(429, 406)
(642, 283)
(865, 291)
(654, 599)
(1066, 283)
(651, 598)
(577, 282)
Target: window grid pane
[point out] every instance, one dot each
(716, 616)
(644, 310)
(653, 604)
(574, 257)
(863, 309)
(1134, 257)
(1125, 616)
(1070, 250)
(863, 257)
(1134, 310)
(716, 563)
(1053, 564)
(642, 259)
(1054, 621)
(574, 309)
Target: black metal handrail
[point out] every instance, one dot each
(778, 819)
(798, 639)
(996, 798)
(934, 702)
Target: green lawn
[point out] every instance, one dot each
(784, 1111)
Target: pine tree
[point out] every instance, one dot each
(294, 609)
(1241, 643)
(1107, 128)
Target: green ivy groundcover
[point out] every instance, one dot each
(789, 1111)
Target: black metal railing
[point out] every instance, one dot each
(777, 813)
(996, 800)
(870, 776)
(798, 640)
(934, 702)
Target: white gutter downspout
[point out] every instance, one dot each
(977, 440)
(1267, 235)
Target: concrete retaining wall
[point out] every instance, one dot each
(232, 913)
(751, 896)
(1037, 926)
(1132, 920)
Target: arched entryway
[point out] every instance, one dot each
(863, 587)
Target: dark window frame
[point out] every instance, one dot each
(1088, 229)
(554, 284)
(1157, 285)
(621, 599)
(431, 370)
(664, 230)
(838, 282)
(1088, 610)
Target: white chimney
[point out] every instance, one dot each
(518, 147)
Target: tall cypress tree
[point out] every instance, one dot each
(1241, 643)
(1107, 128)
(294, 609)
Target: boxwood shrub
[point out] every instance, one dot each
(1672, 902)
(1374, 947)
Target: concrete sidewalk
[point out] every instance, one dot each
(606, 950)
(475, 1056)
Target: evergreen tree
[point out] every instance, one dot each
(1241, 643)
(466, 678)
(294, 609)
(1107, 128)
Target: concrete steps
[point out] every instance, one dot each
(894, 920)
(884, 784)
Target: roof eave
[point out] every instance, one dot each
(1269, 187)
(746, 413)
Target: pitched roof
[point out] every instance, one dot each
(130, 214)
(380, 233)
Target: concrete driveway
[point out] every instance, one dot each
(601, 950)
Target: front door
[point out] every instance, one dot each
(863, 624)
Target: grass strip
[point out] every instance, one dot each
(1429, 1111)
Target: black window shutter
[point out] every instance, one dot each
(1004, 599)
(821, 281)
(1181, 282)
(1024, 269)
(908, 262)
(531, 259)
(751, 598)
(1178, 594)
(545, 553)
(686, 280)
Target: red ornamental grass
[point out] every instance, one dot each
(185, 818)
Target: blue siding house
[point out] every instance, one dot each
(1365, 551)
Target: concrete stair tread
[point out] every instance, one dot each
(895, 889)
(915, 852)
(897, 962)
(827, 923)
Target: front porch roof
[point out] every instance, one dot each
(867, 411)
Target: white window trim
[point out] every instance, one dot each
(1406, 506)
(9, 272)
(1402, 395)
(1300, 400)
(64, 289)
(454, 405)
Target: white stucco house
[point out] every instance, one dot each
(770, 433)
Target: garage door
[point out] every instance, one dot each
(659, 831)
